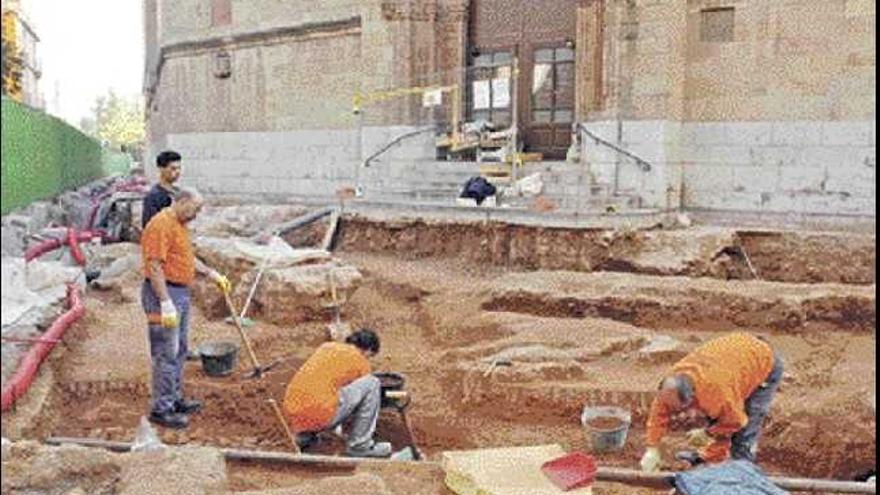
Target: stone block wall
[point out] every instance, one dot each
(809, 167)
(293, 164)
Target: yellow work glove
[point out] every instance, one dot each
(698, 438)
(650, 460)
(169, 314)
(222, 282)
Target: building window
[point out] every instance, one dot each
(490, 88)
(222, 64)
(221, 12)
(716, 25)
(553, 86)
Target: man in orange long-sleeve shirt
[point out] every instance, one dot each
(335, 386)
(732, 381)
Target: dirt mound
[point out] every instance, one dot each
(678, 302)
(695, 252)
(812, 257)
(294, 287)
(834, 439)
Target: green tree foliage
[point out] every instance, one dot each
(116, 120)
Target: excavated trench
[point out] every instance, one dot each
(450, 299)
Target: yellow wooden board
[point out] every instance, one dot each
(503, 471)
(526, 157)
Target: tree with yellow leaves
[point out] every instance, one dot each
(12, 65)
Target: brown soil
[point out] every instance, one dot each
(441, 327)
(697, 252)
(605, 423)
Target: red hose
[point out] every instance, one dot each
(75, 251)
(44, 247)
(24, 376)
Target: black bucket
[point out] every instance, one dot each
(218, 358)
(389, 381)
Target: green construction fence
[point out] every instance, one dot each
(42, 156)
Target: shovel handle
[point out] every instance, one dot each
(284, 424)
(333, 293)
(244, 337)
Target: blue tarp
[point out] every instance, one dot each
(729, 478)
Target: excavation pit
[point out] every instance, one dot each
(572, 335)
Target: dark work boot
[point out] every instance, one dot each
(169, 420)
(306, 439)
(690, 457)
(186, 406)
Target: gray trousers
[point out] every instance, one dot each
(168, 347)
(744, 443)
(359, 403)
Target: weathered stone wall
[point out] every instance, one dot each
(770, 111)
(811, 167)
(775, 115)
(779, 61)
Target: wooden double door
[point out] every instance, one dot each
(522, 62)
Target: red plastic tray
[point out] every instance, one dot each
(575, 470)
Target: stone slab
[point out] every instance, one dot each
(503, 471)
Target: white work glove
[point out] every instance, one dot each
(222, 282)
(699, 438)
(169, 314)
(650, 460)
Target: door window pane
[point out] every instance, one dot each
(483, 60)
(564, 55)
(564, 84)
(543, 56)
(500, 93)
(490, 86)
(542, 80)
(563, 116)
(502, 58)
(542, 116)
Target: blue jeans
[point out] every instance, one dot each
(168, 347)
(744, 443)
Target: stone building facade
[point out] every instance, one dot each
(742, 105)
(18, 28)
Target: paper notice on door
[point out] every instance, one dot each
(432, 98)
(481, 95)
(500, 93)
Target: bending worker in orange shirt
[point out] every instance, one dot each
(335, 386)
(732, 381)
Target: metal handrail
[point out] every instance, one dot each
(643, 164)
(395, 141)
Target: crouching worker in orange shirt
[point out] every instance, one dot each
(732, 381)
(333, 387)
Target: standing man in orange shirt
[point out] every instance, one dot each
(731, 380)
(169, 267)
(335, 386)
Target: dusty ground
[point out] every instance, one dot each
(442, 320)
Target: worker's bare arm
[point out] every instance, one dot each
(203, 269)
(157, 279)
